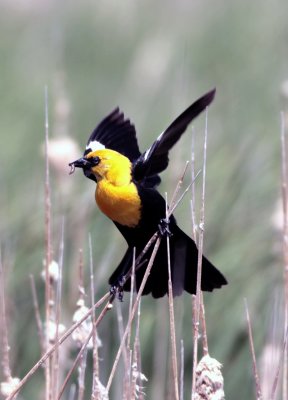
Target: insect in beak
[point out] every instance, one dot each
(80, 163)
(84, 163)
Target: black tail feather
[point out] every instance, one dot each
(183, 259)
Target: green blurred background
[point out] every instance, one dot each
(152, 59)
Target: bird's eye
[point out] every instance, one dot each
(94, 160)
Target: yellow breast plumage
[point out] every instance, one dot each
(120, 203)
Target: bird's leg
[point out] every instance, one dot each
(163, 227)
(117, 288)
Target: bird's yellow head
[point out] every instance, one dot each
(106, 164)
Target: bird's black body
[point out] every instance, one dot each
(118, 134)
(183, 254)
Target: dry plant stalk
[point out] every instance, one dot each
(9, 383)
(58, 298)
(171, 313)
(48, 393)
(129, 381)
(251, 342)
(284, 166)
(204, 328)
(193, 201)
(132, 288)
(178, 186)
(95, 376)
(199, 264)
(137, 353)
(137, 377)
(278, 370)
(81, 374)
(83, 357)
(181, 397)
(126, 350)
(37, 315)
(194, 237)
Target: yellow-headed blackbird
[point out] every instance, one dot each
(126, 193)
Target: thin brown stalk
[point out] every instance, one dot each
(131, 291)
(131, 393)
(171, 315)
(193, 199)
(4, 342)
(252, 349)
(37, 315)
(179, 185)
(199, 263)
(128, 379)
(139, 262)
(204, 328)
(128, 327)
(82, 356)
(277, 375)
(194, 321)
(121, 333)
(106, 308)
(81, 275)
(52, 348)
(127, 352)
(194, 237)
(81, 376)
(48, 393)
(284, 166)
(181, 370)
(94, 337)
(171, 209)
(137, 352)
(55, 370)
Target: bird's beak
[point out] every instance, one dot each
(80, 163)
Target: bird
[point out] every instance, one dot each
(126, 192)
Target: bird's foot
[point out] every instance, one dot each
(117, 290)
(163, 227)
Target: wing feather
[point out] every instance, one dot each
(116, 133)
(155, 159)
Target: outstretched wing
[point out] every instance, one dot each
(116, 133)
(155, 159)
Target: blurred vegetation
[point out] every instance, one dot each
(152, 59)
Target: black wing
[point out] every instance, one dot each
(155, 159)
(116, 133)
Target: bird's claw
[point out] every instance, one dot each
(117, 290)
(163, 227)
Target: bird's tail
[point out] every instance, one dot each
(184, 254)
(183, 261)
